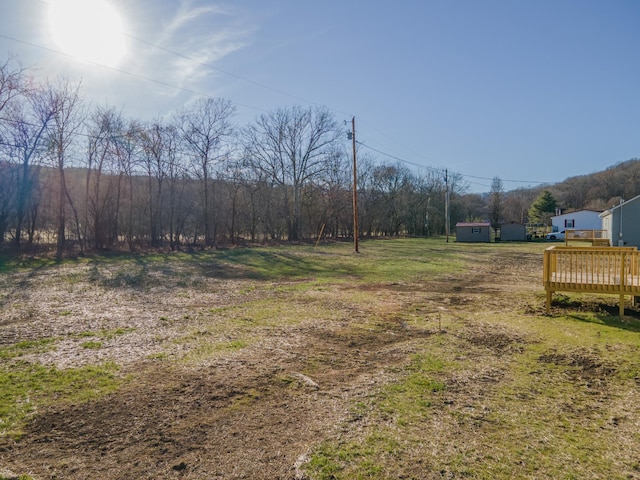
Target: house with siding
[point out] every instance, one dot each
(473, 232)
(622, 223)
(578, 220)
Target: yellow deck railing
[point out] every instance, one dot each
(611, 270)
(597, 238)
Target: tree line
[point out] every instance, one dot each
(85, 177)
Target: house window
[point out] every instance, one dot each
(569, 223)
(475, 229)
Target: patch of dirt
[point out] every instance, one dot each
(584, 365)
(497, 339)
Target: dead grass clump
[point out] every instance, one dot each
(496, 338)
(582, 365)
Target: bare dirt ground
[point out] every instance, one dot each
(251, 412)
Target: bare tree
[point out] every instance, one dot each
(65, 100)
(331, 212)
(166, 182)
(8, 173)
(517, 203)
(11, 87)
(12, 83)
(104, 126)
(156, 164)
(389, 182)
(126, 155)
(206, 130)
(26, 122)
(180, 202)
(496, 204)
(292, 146)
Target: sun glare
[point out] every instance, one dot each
(90, 30)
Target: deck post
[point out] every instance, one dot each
(621, 310)
(549, 293)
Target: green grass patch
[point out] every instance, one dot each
(26, 347)
(25, 386)
(411, 398)
(403, 404)
(378, 260)
(204, 348)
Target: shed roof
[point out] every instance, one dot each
(473, 224)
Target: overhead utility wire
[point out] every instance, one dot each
(239, 77)
(506, 180)
(131, 74)
(442, 170)
(433, 169)
(193, 60)
(464, 175)
(188, 90)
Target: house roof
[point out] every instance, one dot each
(577, 211)
(625, 202)
(473, 224)
(620, 205)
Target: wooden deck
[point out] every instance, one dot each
(611, 270)
(597, 238)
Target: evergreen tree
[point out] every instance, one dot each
(543, 208)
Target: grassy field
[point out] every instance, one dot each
(414, 359)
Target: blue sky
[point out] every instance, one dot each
(531, 91)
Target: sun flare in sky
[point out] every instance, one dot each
(90, 30)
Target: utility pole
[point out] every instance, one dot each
(446, 203)
(355, 186)
(620, 235)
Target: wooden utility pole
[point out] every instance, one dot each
(355, 187)
(446, 204)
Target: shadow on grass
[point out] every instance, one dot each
(598, 312)
(141, 271)
(272, 265)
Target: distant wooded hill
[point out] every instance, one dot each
(595, 191)
(599, 190)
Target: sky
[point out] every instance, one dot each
(528, 91)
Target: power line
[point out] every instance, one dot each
(231, 74)
(433, 169)
(442, 170)
(258, 84)
(506, 180)
(190, 59)
(131, 74)
(202, 64)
